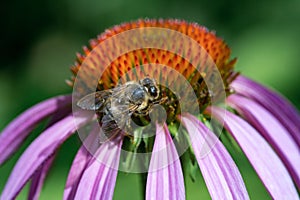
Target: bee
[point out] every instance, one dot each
(117, 105)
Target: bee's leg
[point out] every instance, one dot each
(162, 100)
(128, 128)
(128, 124)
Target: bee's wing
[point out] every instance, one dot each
(94, 101)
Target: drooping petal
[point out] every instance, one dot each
(39, 150)
(274, 103)
(165, 179)
(80, 162)
(38, 179)
(272, 130)
(13, 135)
(99, 178)
(220, 173)
(78, 166)
(264, 160)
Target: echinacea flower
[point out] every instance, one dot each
(199, 91)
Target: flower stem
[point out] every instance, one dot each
(144, 183)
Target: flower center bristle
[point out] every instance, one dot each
(214, 46)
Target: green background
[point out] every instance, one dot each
(39, 40)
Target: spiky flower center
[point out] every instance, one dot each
(214, 46)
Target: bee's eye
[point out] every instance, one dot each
(153, 91)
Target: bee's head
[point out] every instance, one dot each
(151, 88)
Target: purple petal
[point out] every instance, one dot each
(165, 179)
(274, 103)
(13, 135)
(219, 171)
(80, 162)
(38, 179)
(39, 150)
(272, 130)
(99, 179)
(264, 160)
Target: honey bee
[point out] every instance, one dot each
(117, 105)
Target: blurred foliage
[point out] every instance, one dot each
(39, 40)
